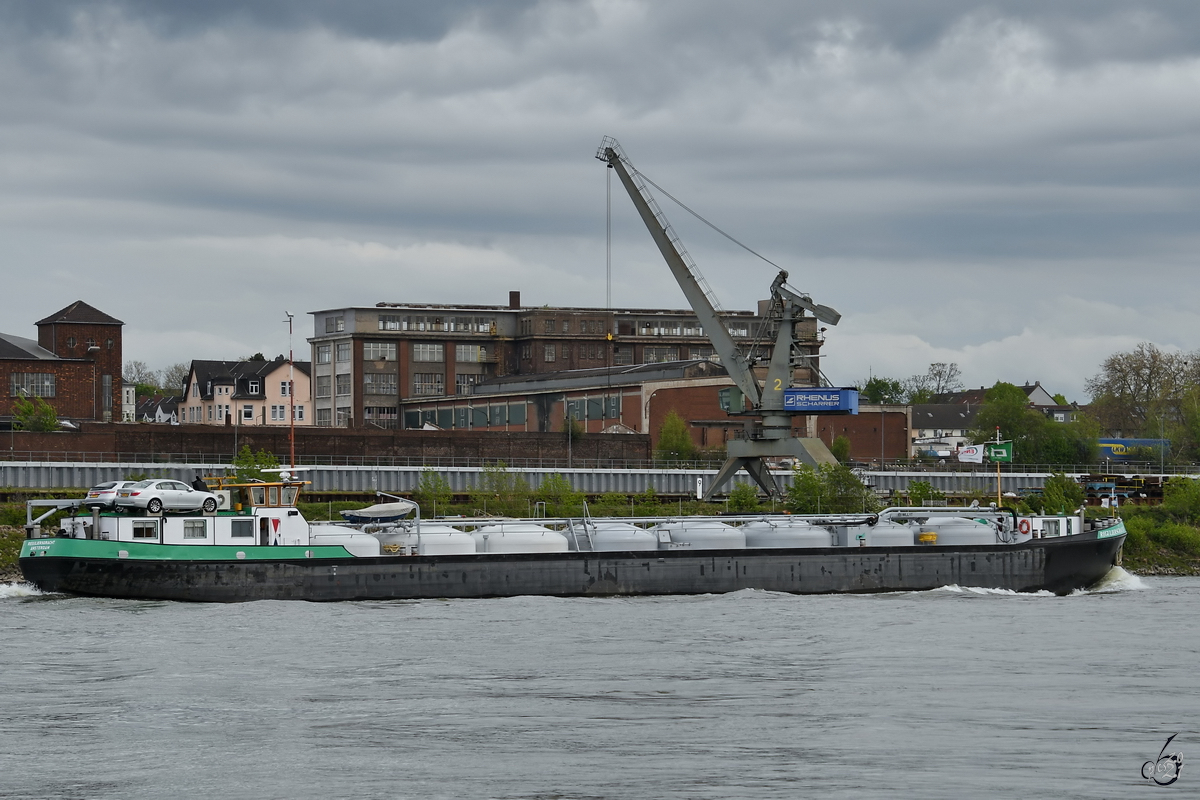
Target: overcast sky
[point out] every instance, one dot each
(1011, 185)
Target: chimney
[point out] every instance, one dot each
(514, 299)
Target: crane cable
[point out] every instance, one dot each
(680, 203)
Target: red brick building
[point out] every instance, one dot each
(75, 364)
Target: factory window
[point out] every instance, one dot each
(70, 341)
(566, 326)
(335, 324)
(428, 383)
(379, 351)
(549, 352)
(464, 384)
(526, 352)
(343, 351)
(324, 417)
(658, 355)
(623, 355)
(343, 416)
(33, 384)
(322, 354)
(379, 383)
(195, 529)
(343, 385)
(467, 353)
(550, 327)
(428, 351)
(389, 322)
(323, 385)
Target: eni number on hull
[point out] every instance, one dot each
(262, 548)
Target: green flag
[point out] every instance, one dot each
(1000, 452)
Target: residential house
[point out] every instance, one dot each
(246, 393)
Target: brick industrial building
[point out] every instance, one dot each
(75, 364)
(381, 366)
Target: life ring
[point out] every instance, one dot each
(1024, 526)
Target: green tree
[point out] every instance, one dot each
(1036, 438)
(249, 466)
(1061, 494)
(841, 449)
(33, 415)
(922, 493)
(829, 489)
(499, 491)
(878, 389)
(674, 441)
(1181, 500)
(743, 498)
(433, 493)
(560, 497)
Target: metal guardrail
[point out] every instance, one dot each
(577, 463)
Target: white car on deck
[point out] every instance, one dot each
(104, 495)
(165, 494)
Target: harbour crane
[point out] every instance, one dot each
(772, 437)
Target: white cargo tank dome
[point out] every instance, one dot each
(519, 538)
(884, 533)
(785, 533)
(610, 537)
(442, 540)
(959, 530)
(363, 545)
(702, 535)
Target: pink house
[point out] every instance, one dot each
(246, 393)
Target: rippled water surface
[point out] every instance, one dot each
(950, 693)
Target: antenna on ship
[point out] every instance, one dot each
(291, 398)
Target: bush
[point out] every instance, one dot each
(433, 494)
(744, 498)
(921, 493)
(1177, 538)
(840, 449)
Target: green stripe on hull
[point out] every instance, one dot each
(144, 551)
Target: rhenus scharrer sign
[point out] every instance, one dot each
(821, 401)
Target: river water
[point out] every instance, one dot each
(944, 694)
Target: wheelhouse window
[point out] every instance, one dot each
(145, 529)
(195, 529)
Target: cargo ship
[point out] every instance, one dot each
(262, 548)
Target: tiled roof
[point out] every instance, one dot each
(237, 372)
(80, 312)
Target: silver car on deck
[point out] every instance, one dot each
(163, 493)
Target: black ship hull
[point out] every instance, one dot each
(1058, 565)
